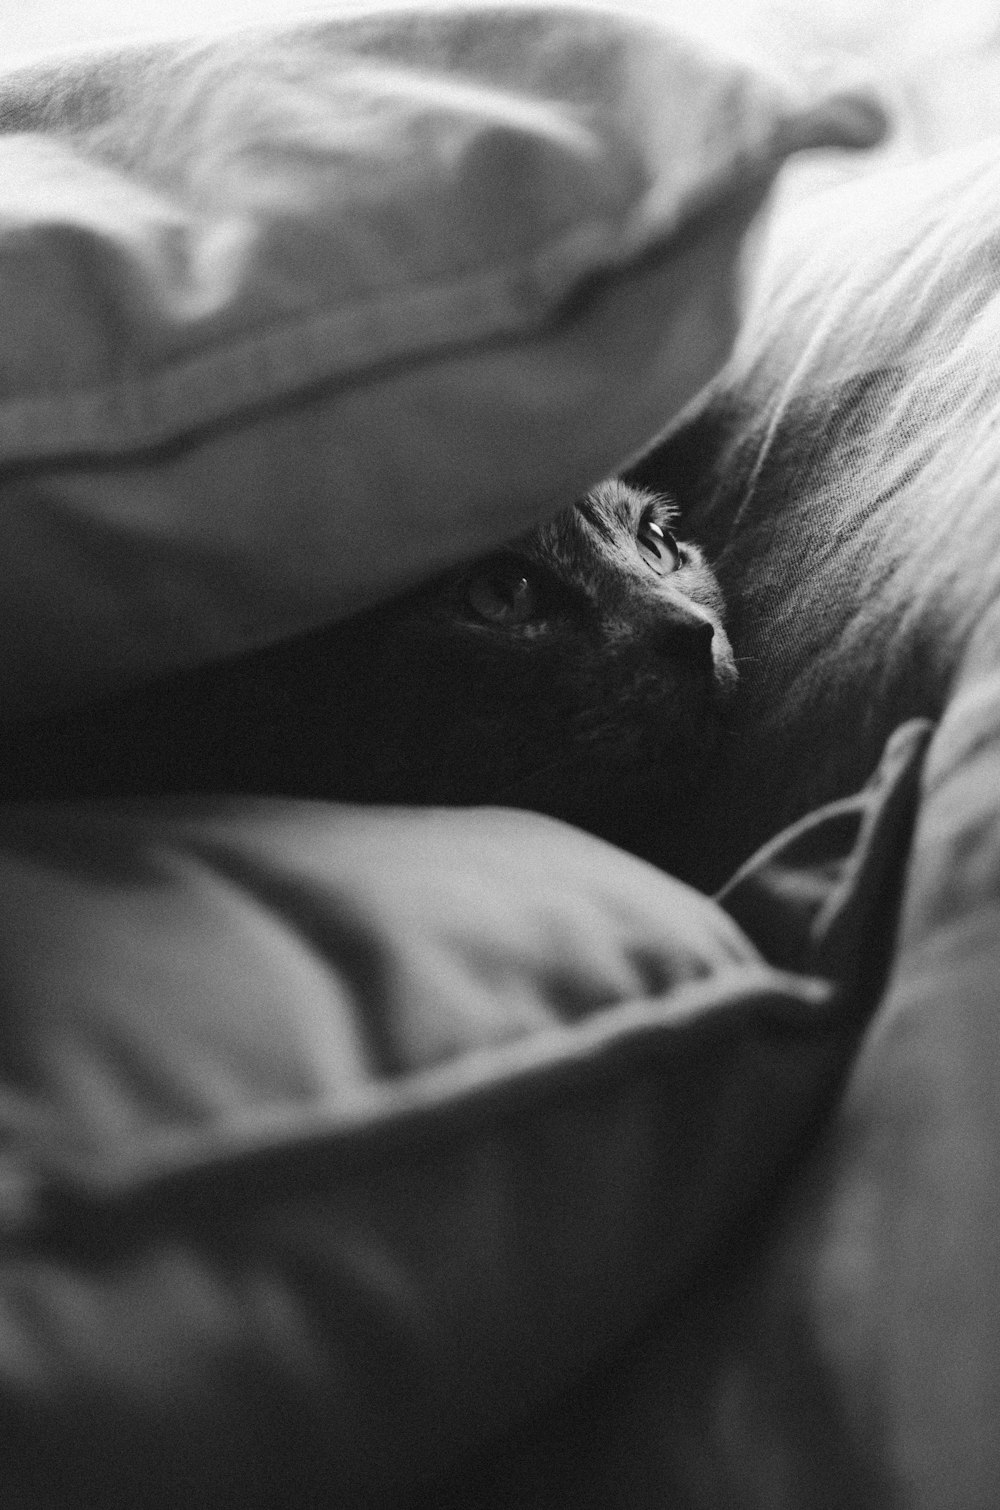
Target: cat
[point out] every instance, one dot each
(580, 671)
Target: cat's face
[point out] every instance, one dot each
(579, 671)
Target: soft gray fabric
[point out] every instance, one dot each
(843, 473)
(731, 1395)
(337, 1140)
(293, 317)
(847, 469)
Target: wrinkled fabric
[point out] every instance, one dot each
(202, 227)
(723, 1397)
(295, 317)
(337, 1140)
(853, 472)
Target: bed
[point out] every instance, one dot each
(423, 1157)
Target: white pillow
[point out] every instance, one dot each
(293, 317)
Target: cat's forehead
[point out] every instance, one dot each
(599, 524)
(614, 508)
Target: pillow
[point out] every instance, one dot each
(842, 472)
(295, 316)
(337, 1140)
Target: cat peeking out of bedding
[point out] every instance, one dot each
(578, 671)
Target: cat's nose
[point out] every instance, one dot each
(687, 627)
(701, 631)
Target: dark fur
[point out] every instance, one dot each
(601, 708)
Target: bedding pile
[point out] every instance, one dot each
(421, 1157)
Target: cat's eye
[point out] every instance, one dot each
(657, 547)
(502, 592)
